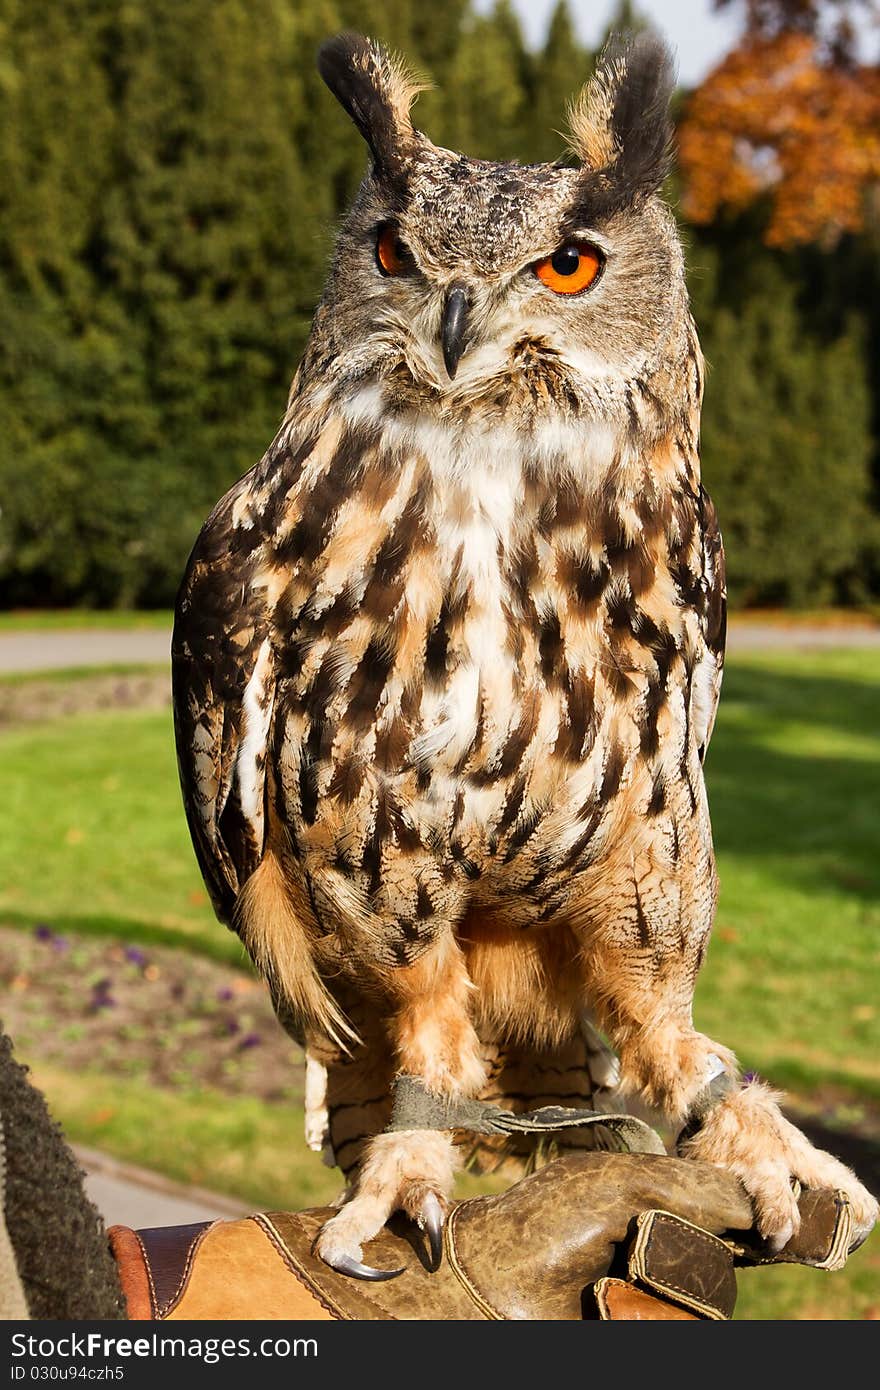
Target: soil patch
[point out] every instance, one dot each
(159, 1016)
(34, 701)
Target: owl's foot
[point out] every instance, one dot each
(410, 1171)
(748, 1134)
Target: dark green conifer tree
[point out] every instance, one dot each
(487, 113)
(561, 69)
(172, 175)
(786, 448)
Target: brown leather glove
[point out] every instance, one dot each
(593, 1235)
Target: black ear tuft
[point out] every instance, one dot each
(640, 120)
(620, 124)
(376, 91)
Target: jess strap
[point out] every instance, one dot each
(415, 1107)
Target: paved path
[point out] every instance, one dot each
(135, 1197)
(55, 651)
(744, 637)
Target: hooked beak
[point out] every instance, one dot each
(453, 334)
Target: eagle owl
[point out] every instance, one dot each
(447, 660)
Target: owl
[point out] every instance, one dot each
(447, 660)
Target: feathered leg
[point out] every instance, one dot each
(413, 1170)
(642, 966)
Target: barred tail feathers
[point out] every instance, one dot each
(280, 944)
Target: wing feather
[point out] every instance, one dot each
(706, 688)
(223, 686)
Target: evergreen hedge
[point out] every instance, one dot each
(173, 170)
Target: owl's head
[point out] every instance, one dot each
(458, 278)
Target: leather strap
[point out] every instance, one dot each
(618, 1301)
(824, 1239)
(680, 1262)
(415, 1107)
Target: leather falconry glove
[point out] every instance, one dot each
(592, 1235)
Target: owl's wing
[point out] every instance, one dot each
(223, 685)
(706, 687)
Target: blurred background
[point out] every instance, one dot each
(173, 171)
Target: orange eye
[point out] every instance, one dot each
(392, 255)
(574, 267)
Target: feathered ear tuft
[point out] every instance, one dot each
(620, 126)
(377, 91)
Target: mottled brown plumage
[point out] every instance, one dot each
(447, 660)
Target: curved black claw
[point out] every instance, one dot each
(345, 1264)
(432, 1220)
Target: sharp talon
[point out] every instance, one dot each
(777, 1243)
(433, 1219)
(345, 1264)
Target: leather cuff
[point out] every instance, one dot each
(676, 1271)
(683, 1263)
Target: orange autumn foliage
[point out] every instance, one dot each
(774, 119)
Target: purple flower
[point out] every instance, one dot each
(135, 955)
(232, 1026)
(103, 1001)
(43, 932)
(224, 995)
(101, 987)
(60, 944)
(749, 1076)
(249, 1040)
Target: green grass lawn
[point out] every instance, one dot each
(58, 619)
(71, 675)
(92, 834)
(92, 838)
(792, 976)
